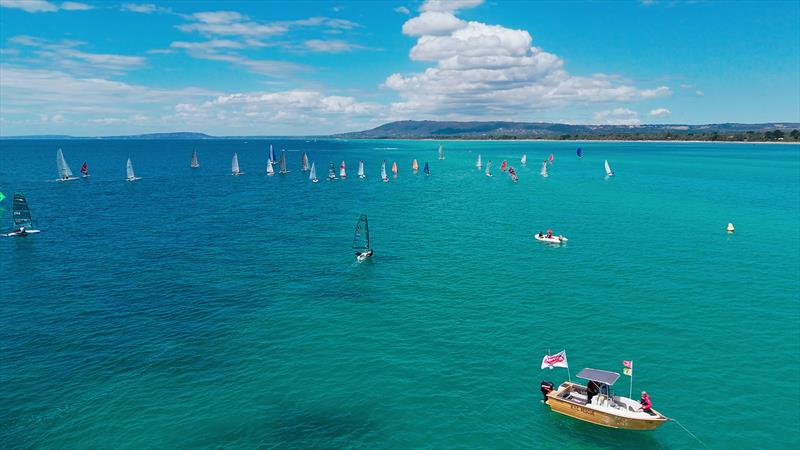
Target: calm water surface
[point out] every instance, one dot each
(194, 309)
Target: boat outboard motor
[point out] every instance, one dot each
(546, 387)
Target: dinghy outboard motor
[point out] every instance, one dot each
(546, 387)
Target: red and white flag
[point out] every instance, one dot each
(628, 364)
(628, 370)
(557, 360)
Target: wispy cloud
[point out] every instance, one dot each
(402, 10)
(330, 46)
(37, 6)
(144, 8)
(617, 116)
(67, 56)
(659, 112)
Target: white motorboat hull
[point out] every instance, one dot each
(551, 240)
(27, 232)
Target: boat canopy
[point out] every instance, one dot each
(600, 376)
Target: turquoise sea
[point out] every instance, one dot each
(194, 309)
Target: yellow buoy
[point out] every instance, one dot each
(730, 228)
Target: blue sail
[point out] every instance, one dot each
(580, 153)
(427, 170)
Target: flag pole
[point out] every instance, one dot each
(630, 388)
(569, 376)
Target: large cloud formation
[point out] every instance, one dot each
(482, 69)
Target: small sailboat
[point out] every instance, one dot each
(609, 172)
(427, 169)
(21, 216)
(489, 168)
(131, 176)
(550, 159)
(313, 175)
(503, 165)
(730, 228)
(304, 162)
(580, 153)
(394, 169)
(544, 169)
(342, 171)
(513, 174)
(524, 159)
(331, 172)
(85, 170)
(478, 162)
(441, 152)
(235, 165)
(361, 239)
(64, 173)
(194, 164)
(270, 170)
(283, 163)
(272, 155)
(415, 166)
(383, 172)
(361, 170)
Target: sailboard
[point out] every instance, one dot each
(478, 162)
(394, 169)
(85, 170)
(361, 239)
(543, 172)
(194, 164)
(489, 168)
(524, 159)
(513, 174)
(313, 175)
(441, 152)
(580, 153)
(550, 159)
(64, 172)
(361, 170)
(131, 176)
(415, 167)
(383, 172)
(427, 169)
(609, 172)
(21, 216)
(342, 171)
(283, 163)
(503, 166)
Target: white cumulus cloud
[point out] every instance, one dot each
(659, 112)
(617, 116)
(448, 5)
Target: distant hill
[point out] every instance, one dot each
(428, 129)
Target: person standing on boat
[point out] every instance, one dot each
(549, 233)
(592, 387)
(647, 404)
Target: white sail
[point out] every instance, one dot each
(478, 163)
(331, 172)
(361, 169)
(272, 155)
(313, 175)
(283, 162)
(441, 152)
(544, 169)
(609, 172)
(304, 162)
(270, 170)
(195, 163)
(131, 174)
(235, 164)
(383, 171)
(63, 168)
(524, 159)
(489, 168)
(342, 171)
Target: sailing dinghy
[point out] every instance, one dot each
(609, 172)
(441, 152)
(283, 163)
(478, 162)
(544, 169)
(313, 175)
(331, 172)
(524, 159)
(394, 169)
(270, 170)
(361, 239)
(383, 172)
(64, 173)
(503, 165)
(342, 171)
(489, 168)
(235, 165)
(304, 162)
(131, 176)
(21, 215)
(272, 155)
(195, 163)
(361, 170)
(415, 167)
(85, 170)
(427, 169)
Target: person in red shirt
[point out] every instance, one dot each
(549, 233)
(647, 404)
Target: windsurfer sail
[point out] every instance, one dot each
(383, 172)
(85, 170)
(524, 159)
(550, 159)
(331, 172)
(489, 168)
(478, 162)
(513, 174)
(609, 172)
(313, 175)
(544, 169)
(503, 166)
(580, 153)
(361, 170)
(394, 169)
(441, 152)
(427, 169)
(342, 171)
(415, 166)
(194, 164)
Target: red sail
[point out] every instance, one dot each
(84, 169)
(503, 166)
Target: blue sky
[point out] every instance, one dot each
(287, 68)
